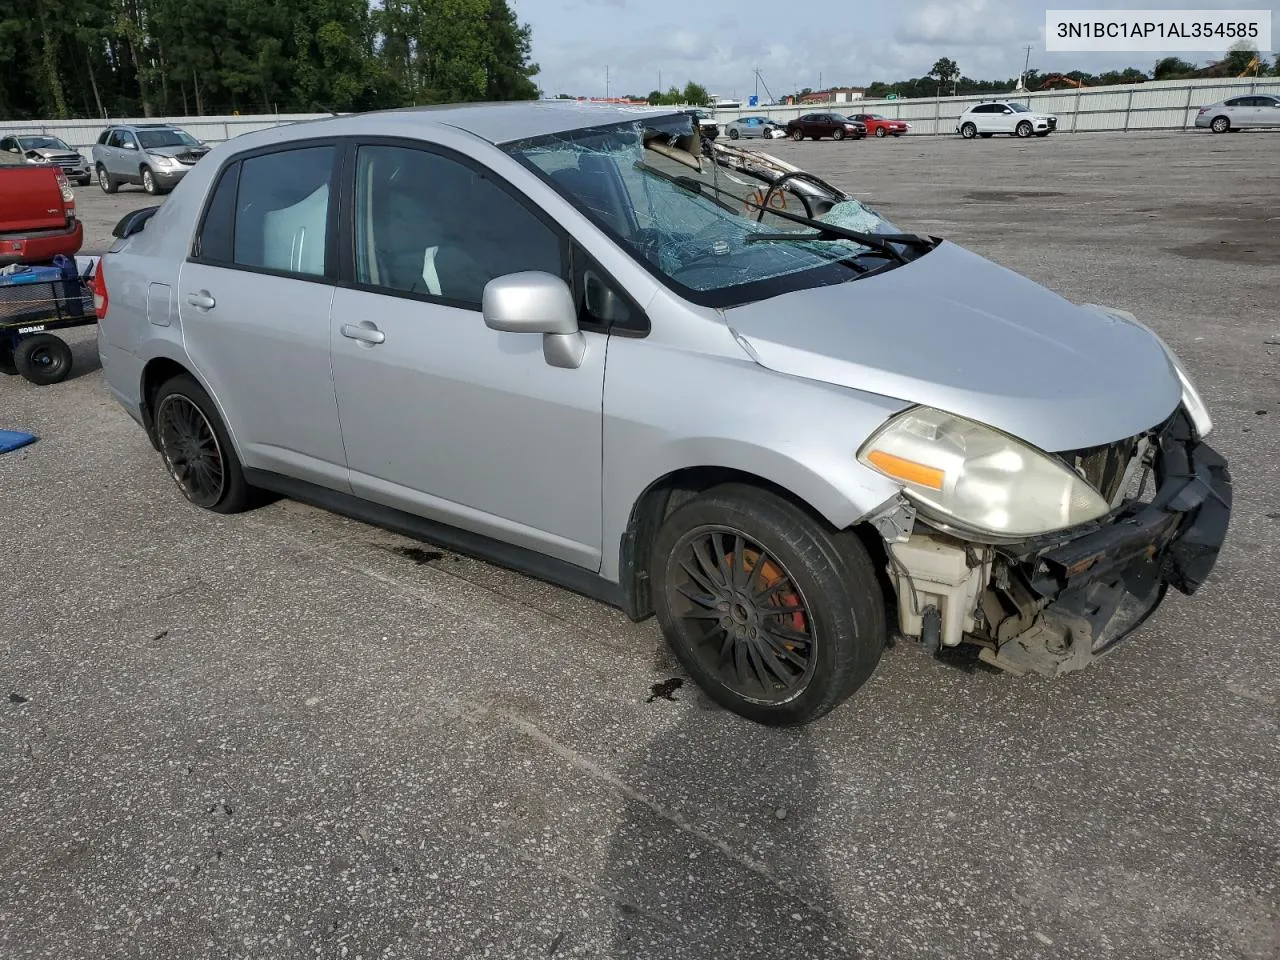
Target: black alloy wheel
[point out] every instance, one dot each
(191, 450)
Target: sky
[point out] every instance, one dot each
(806, 43)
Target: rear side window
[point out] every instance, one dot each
(282, 211)
(1237, 102)
(213, 242)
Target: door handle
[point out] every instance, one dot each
(364, 331)
(201, 300)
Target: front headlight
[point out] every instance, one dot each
(163, 161)
(1197, 409)
(977, 477)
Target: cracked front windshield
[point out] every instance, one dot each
(692, 218)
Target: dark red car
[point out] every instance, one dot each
(881, 126)
(37, 214)
(819, 125)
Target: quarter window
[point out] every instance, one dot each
(282, 210)
(429, 225)
(213, 243)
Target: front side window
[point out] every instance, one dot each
(431, 225)
(282, 210)
(694, 228)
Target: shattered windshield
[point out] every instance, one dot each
(695, 222)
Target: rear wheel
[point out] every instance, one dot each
(43, 359)
(1220, 125)
(105, 181)
(1024, 129)
(196, 449)
(776, 617)
(968, 131)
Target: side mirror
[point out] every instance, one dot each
(536, 302)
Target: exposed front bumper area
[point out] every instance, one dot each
(1055, 604)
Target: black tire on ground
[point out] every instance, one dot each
(733, 134)
(968, 131)
(1024, 129)
(150, 184)
(43, 359)
(196, 449)
(797, 135)
(880, 132)
(791, 636)
(838, 135)
(105, 180)
(1220, 124)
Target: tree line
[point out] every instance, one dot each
(119, 58)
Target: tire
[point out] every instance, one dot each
(1024, 129)
(968, 131)
(820, 583)
(838, 135)
(1220, 125)
(149, 183)
(733, 134)
(880, 132)
(105, 180)
(768, 133)
(797, 135)
(43, 359)
(7, 367)
(196, 449)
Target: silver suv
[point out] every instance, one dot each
(563, 339)
(44, 149)
(155, 155)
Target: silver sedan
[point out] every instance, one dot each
(1255, 110)
(748, 127)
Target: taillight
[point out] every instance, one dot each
(1203, 110)
(64, 185)
(99, 287)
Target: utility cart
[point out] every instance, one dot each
(32, 305)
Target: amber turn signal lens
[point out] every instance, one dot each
(907, 470)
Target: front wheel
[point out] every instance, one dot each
(838, 135)
(43, 359)
(149, 183)
(776, 616)
(880, 131)
(968, 131)
(1025, 129)
(107, 184)
(733, 134)
(196, 449)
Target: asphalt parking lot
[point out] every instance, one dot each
(286, 734)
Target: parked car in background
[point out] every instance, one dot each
(818, 125)
(37, 214)
(440, 370)
(154, 155)
(749, 127)
(43, 149)
(879, 126)
(1239, 113)
(707, 124)
(1004, 116)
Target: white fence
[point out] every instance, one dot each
(1154, 105)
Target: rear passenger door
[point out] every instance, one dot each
(442, 416)
(254, 298)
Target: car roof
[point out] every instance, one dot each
(497, 123)
(145, 126)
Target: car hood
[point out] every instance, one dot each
(178, 151)
(955, 331)
(51, 152)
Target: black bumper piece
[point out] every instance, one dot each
(1097, 588)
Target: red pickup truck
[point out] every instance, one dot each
(37, 214)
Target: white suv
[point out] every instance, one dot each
(1002, 116)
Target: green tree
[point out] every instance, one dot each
(945, 70)
(1240, 57)
(1171, 68)
(696, 94)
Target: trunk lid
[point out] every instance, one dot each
(30, 199)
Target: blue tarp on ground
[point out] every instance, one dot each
(12, 440)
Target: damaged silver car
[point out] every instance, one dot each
(683, 378)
